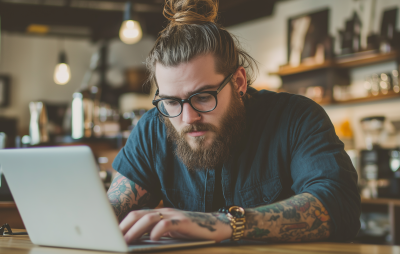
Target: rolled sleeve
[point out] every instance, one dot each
(136, 159)
(321, 167)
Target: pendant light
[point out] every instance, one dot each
(130, 31)
(62, 72)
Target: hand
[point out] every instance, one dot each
(176, 224)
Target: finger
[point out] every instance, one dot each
(175, 234)
(131, 219)
(165, 226)
(143, 225)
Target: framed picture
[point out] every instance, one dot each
(389, 24)
(305, 33)
(4, 90)
(136, 81)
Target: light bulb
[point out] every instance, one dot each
(130, 32)
(62, 74)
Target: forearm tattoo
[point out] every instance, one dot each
(207, 220)
(175, 222)
(126, 196)
(299, 218)
(203, 220)
(222, 218)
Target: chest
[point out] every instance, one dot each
(243, 184)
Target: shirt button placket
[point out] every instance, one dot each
(210, 183)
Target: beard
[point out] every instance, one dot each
(204, 156)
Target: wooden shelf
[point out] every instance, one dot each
(328, 101)
(285, 70)
(390, 95)
(334, 72)
(381, 201)
(7, 204)
(366, 59)
(356, 60)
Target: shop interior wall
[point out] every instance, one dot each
(30, 61)
(266, 40)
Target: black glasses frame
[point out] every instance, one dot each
(188, 100)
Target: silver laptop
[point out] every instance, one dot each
(63, 202)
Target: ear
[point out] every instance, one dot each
(241, 80)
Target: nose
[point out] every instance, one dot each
(189, 115)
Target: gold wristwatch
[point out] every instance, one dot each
(236, 215)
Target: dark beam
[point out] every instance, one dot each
(245, 11)
(104, 24)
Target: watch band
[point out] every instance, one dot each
(236, 216)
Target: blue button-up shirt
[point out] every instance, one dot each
(289, 147)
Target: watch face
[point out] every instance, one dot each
(237, 211)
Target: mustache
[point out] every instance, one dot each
(199, 127)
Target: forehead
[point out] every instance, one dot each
(186, 77)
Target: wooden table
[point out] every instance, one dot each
(22, 245)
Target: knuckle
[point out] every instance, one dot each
(185, 220)
(131, 215)
(148, 217)
(167, 209)
(165, 223)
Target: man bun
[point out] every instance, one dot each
(192, 31)
(190, 12)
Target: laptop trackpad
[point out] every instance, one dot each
(145, 243)
(162, 240)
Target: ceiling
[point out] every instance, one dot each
(101, 19)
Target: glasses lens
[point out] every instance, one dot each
(169, 108)
(203, 102)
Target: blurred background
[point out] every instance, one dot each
(72, 73)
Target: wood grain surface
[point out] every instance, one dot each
(22, 245)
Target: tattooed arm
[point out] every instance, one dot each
(299, 218)
(126, 196)
(128, 199)
(176, 224)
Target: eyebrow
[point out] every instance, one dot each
(206, 87)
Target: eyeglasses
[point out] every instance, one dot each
(201, 102)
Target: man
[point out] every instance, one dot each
(270, 163)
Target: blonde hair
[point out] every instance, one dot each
(192, 31)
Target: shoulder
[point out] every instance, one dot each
(149, 129)
(303, 107)
(286, 99)
(281, 99)
(299, 101)
(285, 103)
(293, 104)
(150, 116)
(286, 113)
(151, 120)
